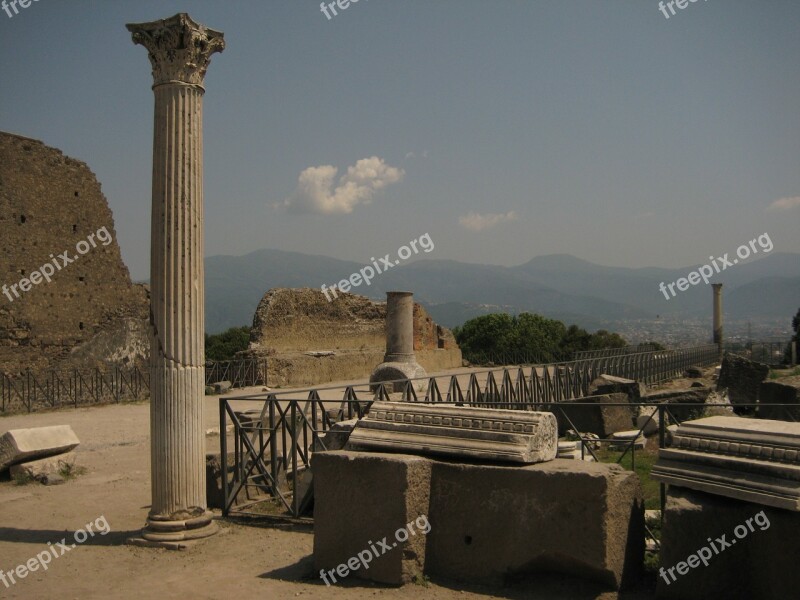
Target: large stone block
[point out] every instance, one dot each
(599, 419)
(490, 523)
(677, 398)
(361, 498)
(746, 459)
(443, 430)
(760, 565)
(609, 384)
(44, 468)
(742, 378)
(25, 445)
(773, 392)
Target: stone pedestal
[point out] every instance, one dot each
(481, 433)
(179, 50)
(746, 459)
(486, 523)
(400, 362)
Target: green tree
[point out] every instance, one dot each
(576, 339)
(602, 339)
(539, 336)
(223, 346)
(492, 333)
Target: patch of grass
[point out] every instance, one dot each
(645, 459)
(773, 374)
(23, 479)
(71, 470)
(420, 579)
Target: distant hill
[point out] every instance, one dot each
(558, 286)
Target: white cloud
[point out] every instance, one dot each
(318, 191)
(785, 204)
(476, 222)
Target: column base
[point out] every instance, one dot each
(163, 532)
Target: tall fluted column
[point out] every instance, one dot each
(179, 50)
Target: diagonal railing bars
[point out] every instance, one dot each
(286, 426)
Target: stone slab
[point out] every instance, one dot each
(360, 498)
(465, 432)
(488, 523)
(760, 566)
(25, 445)
(742, 378)
(746, 459)
(44, 467)
(610, 384)
(773, 392)
(598, 419)
(491, 524)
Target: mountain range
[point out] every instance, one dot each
(558, 286)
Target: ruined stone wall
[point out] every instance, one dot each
(49, 204)
(290, 323)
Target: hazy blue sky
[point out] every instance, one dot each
(505, 129)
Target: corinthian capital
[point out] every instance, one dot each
(179, 48)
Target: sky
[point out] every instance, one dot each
(505, 130)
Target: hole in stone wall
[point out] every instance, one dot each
(22, 272)
(22, 219)
(80, 325)
(77, 194)
(74, 228)
(81, 278)
(468, 539)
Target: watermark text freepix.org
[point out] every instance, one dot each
(704, 554)
(45, 557)
(367, 274)
(47, 270)
(342, 4)
(705, 272)
(376, 550)
(7, 5)
(679, 3)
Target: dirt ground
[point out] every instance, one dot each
(242, 561)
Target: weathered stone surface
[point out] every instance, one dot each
(214, 496)
(760, 566)
(747, 459)
(360, 498)
(621, 440)
(648, 420)
(220, 387)
(336, 437)
(291, 322)
(481, 433)
(487, 523)
(492, 523)
(682, 396)
(773, 392)
(25, 445)
(693, 372)
(598, 419)
(44, 467)
(609, 384)
(742, 378)
(88, 312)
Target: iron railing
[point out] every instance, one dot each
(241, 373)
(31, 391)
(273, 440)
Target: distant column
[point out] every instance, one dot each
(400, 361)
(179, 50)
(718, 316)
(399, 327)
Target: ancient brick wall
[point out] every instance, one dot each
(289, 323)
(51, 204)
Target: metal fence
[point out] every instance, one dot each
(273, 434)
(241, 373)
(32, 391)
(55, 389)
